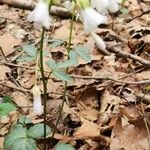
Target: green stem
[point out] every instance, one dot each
(65, 85)
(44, 82)
(44, 79)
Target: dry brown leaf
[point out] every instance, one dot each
(7, 42)
(21, 100)
(130, 112)
(88, 96)
(87, 130)
(4, 70)
(63, 32)
(129, 137)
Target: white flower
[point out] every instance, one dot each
(91, 19)
(37, 103)
(100, 5)
(113, 5)
(40, 15)
(99, 42)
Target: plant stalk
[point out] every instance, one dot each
(44, 79)
(44, 83)
(65, 85)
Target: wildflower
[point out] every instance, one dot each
(103, 5)
(40, 15)
(99, 42)
(37, 103)
(113, 6)
(100, 5)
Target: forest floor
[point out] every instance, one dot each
(107, 105)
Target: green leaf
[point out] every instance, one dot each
(25, 120)
(51, 63)
(63, 146)
(24, 144)
(5, 108)
(37, 131)
(61, 76)
(26, 58)
(69, 63)
(7, 99)
(53, 43)
(16, 133)
(83, 52)
(30, 50)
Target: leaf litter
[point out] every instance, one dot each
(99, 114)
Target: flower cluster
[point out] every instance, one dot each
(93, 17)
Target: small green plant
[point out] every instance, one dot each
(23, 138)
(20, 136)
(6, 106)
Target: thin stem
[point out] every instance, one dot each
(3, 54)
(65, 85)
(36, 68)
(44, 79)
(44, 82)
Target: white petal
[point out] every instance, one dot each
(91, 19)
(40, 15)
(37, 105)
(113, 5)
(100, 5)
(99, 42)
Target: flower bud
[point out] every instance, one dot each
(37, 103)
(98, 41)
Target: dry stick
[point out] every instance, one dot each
(143, 13)
(86, 77)
(3, 54)
(14, 87)
(115, 80)
(128, 55)
(57, 11)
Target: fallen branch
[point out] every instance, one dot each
(115, 50)
(22, 4)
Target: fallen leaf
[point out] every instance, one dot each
(129, 137)
(8, 42)
(3, 73)
(87, 130)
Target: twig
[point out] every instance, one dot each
(143, 13)
(16, 65)
(128, 55)
(115, 80)
(57, 11)
(3, 54)
(87, 77)
(14, 87)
